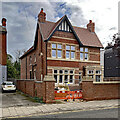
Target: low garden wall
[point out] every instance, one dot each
(100, 91)
(42, 89)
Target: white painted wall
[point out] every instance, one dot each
(3, 73)
(102, 57)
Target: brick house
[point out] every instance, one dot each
(3, 52)
(62, 50)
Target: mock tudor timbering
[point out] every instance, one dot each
(62, 50)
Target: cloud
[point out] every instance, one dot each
(22, 18)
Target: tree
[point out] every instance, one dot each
(13, 68)
(10, 67)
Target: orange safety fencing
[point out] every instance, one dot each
(68, 95)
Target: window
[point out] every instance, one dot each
(56, 50)
(64, 76)
(55, 71)
(35, 74)
(70, 52)
(81, 56)
(30, 60)
(72, 55)
(80, 75)
(90, 72)
(71, 79)
(30, 74)
(56, 80)
(98, 71)
(98, 78)
(53, 45)
(54, 53)
(61, 79)
(86, 56)
(84, 53)
(34, 58)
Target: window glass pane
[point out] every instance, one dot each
(60, 79)
(61, 71)
(67, 54)
(67, 47)
(98, 78)
(55, 76)
(90, 72)
(55, 71)
(86, 56)
(86, 49)
(72, 55)
(71, 78)
(98, 71)
(59, 54)
(81, 56)
(81, 49)
(54, 53)
(71, 71)
(66, 78)
(72, 47)
(66, 71)
(53, 45)
(59, 46)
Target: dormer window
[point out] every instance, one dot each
(64, 27)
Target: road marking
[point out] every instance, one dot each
(43, 114)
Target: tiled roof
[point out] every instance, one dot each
(86, 37)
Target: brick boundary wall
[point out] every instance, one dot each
(101, 91)
(34, 88)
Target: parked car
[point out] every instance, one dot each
(8, 86)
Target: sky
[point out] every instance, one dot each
(22, 15)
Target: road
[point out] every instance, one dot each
(101, 113)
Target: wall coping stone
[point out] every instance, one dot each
(26, 79)
(49, 78)
(39, 81)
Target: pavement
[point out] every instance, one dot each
(26, 111)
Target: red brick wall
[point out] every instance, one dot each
(3, 49)
(40, 60)
(36, 88)
(100, 91)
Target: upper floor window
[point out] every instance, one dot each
(70, 52)
(56, 50)
(34, 58)
(30, 60)
(64, 27)
(84, 53)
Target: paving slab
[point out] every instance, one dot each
(49, 108)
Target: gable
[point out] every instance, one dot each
(64, 26)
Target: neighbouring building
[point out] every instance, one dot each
(62, 50)
(112, 60)
(3, 51)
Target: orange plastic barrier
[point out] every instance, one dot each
(70, 95)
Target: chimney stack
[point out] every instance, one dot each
(4, 22)
(42, 16)
(91, 26)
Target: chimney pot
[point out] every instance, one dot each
(4, 22)
(42, 16)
